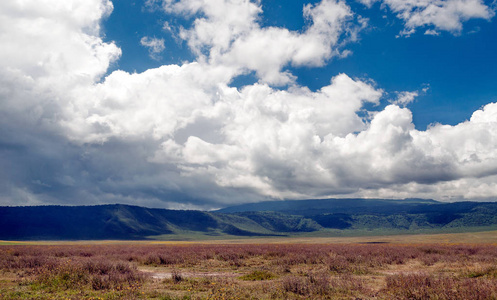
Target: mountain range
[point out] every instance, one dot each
(324, 217)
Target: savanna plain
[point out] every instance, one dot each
(460, 266)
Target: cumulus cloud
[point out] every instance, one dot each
(227, 33)
(155, 46)
(48, 41)
(181, 136)
(446, 15)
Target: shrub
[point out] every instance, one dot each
(297, 285)
(176, 276)
(98, 275)
(424, 286)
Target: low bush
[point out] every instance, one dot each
(426, 286)
(81, 274)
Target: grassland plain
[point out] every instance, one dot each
(449, 266)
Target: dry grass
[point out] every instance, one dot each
(249, 271)
(483, 237)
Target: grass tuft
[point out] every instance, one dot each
(258, 275)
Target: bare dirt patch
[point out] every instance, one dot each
(187, 274)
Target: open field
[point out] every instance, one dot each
(462, 266)
(482, 237)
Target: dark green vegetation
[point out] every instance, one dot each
(331, 217)
(248, 271)
(370, 214)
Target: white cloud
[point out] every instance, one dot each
(432, 32)
(155, 46)
(228, 33)
(404, 98)
(46, 39)
(446, 15)
(51, 51)
(181, 134)
(295, 143)
(368, 3)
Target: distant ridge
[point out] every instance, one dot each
(319, 206)
(125, 222)
(328, 217)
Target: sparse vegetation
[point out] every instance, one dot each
(249, 271)
(257, 275)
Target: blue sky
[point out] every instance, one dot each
(208, 103)
(458, 68)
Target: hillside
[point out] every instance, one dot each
(330, 217)
(319, 206)
(378, 214)
(124, 222)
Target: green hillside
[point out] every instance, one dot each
(330, 217)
